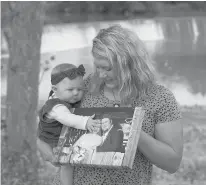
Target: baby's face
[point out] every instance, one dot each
(70, 90)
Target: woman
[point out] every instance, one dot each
(125, 76)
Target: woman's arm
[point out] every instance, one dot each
(165, 150)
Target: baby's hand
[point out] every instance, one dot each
(92, 125)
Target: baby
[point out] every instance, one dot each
(67, 92)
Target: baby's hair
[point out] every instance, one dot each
(62, 67)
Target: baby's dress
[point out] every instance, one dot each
(49, 130)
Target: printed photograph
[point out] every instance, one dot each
(106, 146)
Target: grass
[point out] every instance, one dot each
(16, 170)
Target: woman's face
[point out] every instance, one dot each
(106, 72)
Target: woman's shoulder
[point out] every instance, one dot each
(167, 107)
(165, 104)
(158, 96)
(160, 92)
(87, 80)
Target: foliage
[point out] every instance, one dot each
(121, 7)
(78, 11)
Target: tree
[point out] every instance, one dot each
(22, 24)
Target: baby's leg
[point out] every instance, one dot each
(66, 175)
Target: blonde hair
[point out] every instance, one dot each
(126, 52)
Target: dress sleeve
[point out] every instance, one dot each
(167, 107)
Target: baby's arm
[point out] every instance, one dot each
(62, 114)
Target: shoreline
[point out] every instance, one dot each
(96, 17)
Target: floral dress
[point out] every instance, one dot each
(160, 107)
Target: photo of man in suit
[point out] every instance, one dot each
(112, 136)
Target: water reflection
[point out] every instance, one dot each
(177, 45)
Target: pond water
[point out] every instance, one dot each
(177, 45)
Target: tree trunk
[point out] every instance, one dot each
(22, 25)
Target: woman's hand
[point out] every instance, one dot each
(165, 150)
